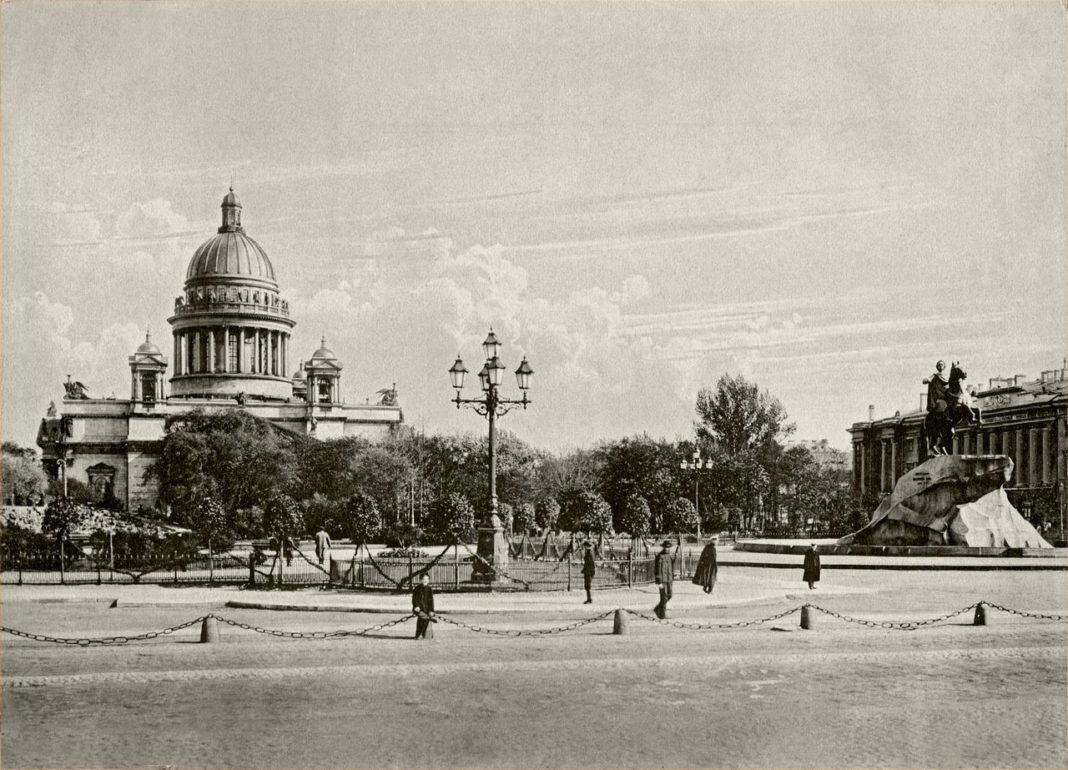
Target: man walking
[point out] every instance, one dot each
(812, 566)
(664, 575)
(322, 548)
(589, 569)
(423, 608)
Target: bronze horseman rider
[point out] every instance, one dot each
(947, 406)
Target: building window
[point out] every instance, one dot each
(148, 388)
(234, 353)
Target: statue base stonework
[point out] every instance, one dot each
(951, 500)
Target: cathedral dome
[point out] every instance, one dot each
(231, 254)
(148, 347)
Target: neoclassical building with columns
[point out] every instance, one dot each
(1025, 419)
(230, 350)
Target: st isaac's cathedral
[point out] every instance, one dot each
(230, 350)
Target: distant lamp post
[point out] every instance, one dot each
(696, 465)
(491, 406)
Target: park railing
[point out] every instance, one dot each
(552, 566)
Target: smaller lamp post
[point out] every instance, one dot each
(696, 465)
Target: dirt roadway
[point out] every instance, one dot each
(839, 696)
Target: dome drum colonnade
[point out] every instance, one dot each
(231, 329)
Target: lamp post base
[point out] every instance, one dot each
(493, 556)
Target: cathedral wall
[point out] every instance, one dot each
(114, 459)
(141, 491)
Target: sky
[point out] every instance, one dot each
(823, 197)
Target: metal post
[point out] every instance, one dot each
(569, 570)
(62, 559)
(111, 555)
(630, 567)
(456, 564)
(211, 564)
(491, 409)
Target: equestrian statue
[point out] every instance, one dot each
(948, 406)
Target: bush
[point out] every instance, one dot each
(636, 516)
(586, 511)
(360, 518)
(524, 518)
(403, 536)
(452, 518)
(547, 514)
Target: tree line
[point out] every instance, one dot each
(230, 474)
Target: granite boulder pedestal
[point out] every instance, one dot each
(951, 500)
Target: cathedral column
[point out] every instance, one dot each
(858, 448)
(882, 465)
(893, 461)
(1045, 456)
(197, 363)
(1032, 458)
(1019, 457)
(276, 352)
(283, 351)
(177, 353)
(211, 350)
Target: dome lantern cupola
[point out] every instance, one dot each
(231, 214)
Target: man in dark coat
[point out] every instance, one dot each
(664, 575)
(423, 608)
(812, 566)
(707, 567)
(589, 569)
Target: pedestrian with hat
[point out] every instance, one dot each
(812, 566)
(707, 567)
(664, 575)
(589, 569)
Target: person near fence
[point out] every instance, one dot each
(812, 566)
(707, 567)
(423, 608)
(322, 547)
(664, 575)
(589, 569)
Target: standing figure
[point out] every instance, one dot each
(707, 567)
(423, 608)
(664, 575)
(589, 569)
(322, 548)
(812, 566)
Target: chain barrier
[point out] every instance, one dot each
(709, 626)
(540, 632)
(907, 625)
(1038, 615)
(312, 634)
(102, 640)
(497, 570)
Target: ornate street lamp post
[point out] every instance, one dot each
(696, 467)
(491, 406)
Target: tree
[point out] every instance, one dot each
(361, 519)
(547, 514)
(585, 511)
(453, 518)
(525, 516)
(681, 516)
(506, 513)
(283, 519)
(738, 417)
(635, 517)
(61, 517)
(638, 465)
(240, 460)
(22, 479)
(212, 524)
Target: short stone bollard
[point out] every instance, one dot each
(808, 618)
(619, 625)
(209, 630)
(980, 615)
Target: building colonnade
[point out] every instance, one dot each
(231, 349)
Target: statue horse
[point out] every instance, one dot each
(939, 427)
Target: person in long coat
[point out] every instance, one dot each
(707, 567)
(589, 569)
(812, 566)
(664, 575)
(423, 608)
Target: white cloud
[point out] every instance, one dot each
(150, 219)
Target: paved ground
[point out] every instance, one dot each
(841, 695)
